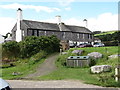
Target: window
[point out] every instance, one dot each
(90, 36)
(83, 36)
(45, 33)
(32, 32)
(23, 33)
(35, 32)
(53, 33)
(63, 34)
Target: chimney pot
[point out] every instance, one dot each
(19, 9)
(58, 18)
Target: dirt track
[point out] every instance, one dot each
(46, 67)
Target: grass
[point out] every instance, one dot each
(83, 74)
(23, 66)
(104, 33)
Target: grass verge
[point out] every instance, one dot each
(23, 67)
(83, 74)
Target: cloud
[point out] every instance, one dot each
(6, 25)
(36, 8)
(68, 8)
(104, 22)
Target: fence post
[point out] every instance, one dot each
(117, 73)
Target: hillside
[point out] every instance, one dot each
(104, 33)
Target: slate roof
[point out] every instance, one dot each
(52, 26)
(78, 29)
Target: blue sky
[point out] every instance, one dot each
(101, 16)
(78, 9)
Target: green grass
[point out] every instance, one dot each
(104, 33)
(83, 74)
(23, 66)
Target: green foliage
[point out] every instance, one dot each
(37, 57)
(32, 45)
(110, 39)
(104, 33)
(92, 62)
(10, 50)
(102, 79)
(24, 66)
(29, 46)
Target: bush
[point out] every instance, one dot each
(37, 57)
(29, 46)
(110, 39)
(111, 43)
(10, 50)
(32, 45)
(92, 62)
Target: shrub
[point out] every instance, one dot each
(10, 50)
(37, 57)
(32, 45)
(92, 62)
(29, 46)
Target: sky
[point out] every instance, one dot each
(101, 16)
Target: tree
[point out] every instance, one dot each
(11, 49)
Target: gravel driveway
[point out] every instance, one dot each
(46, 67)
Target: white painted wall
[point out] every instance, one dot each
(19, 32)
(1, 39)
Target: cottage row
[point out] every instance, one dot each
(65, 32)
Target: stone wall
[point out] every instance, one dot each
(62, 35)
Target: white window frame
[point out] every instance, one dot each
(78, 35)
(45, 33)
(23, 32)
(83, 36)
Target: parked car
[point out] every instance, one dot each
(98, 45)
(4, 85)
(85, 45)
(72, 45)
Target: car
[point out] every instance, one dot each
(4, 85)
(98, 45)
(72, 45)
(85, 45)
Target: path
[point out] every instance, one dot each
(46, 67)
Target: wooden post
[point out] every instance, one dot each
(117, 73)
(60, 51)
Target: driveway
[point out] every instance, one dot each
(46, 67)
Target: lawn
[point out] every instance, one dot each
(83, 74)
(23, 67)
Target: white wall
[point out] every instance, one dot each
(1, 39)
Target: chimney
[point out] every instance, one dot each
(19, 19)
(19, 14)
(58, 18)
